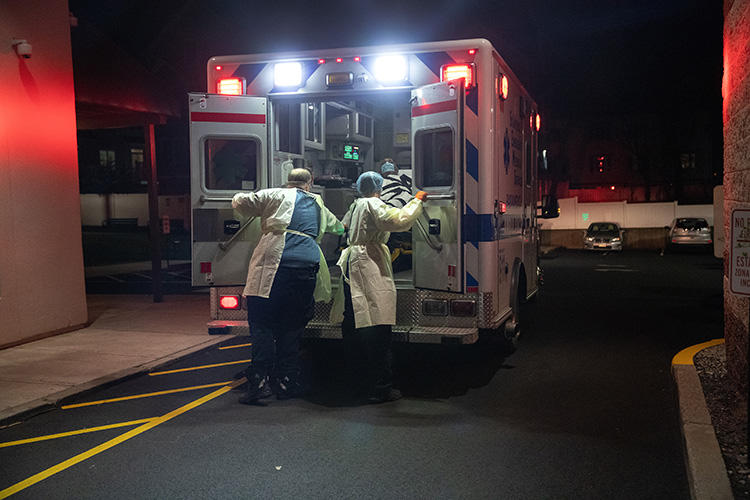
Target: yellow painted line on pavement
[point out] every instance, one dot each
(41, 476)
(144, 395)
(685, 356)
(74, 433)
(202, 367)
(234, 346)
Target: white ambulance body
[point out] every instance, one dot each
(452, 114)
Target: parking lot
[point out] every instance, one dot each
(583, 409)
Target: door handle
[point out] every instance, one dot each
(204, 199)
(224, 245)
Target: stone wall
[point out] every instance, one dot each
(736, 111)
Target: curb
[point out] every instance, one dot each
(706, 471)
(50, 402)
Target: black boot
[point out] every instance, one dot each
(287, 388)
(257, 388)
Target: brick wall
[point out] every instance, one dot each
(736, 111)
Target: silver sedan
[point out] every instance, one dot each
(603, 236)
(689, 231)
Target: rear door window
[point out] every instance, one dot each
(434, 157)
(230, 164)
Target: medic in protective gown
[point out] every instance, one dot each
(367, 297)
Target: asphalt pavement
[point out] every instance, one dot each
(584, 409)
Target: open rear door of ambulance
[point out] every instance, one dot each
(437, 161)
(228, 154)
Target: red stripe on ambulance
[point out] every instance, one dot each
(227, 117)
(438, 107)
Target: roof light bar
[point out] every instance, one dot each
(391, 69)
(288, 74)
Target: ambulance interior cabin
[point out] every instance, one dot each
(338, 139)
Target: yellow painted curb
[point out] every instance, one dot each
(685, 356)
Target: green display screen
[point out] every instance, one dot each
(351, 152)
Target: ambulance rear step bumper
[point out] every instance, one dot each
(418, 335)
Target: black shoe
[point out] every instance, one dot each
(384, 396)
(287, 388)
(257, 388)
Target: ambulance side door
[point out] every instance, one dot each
(228, 154)
(437, 163)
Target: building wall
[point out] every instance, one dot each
(736, 112)
(41, 263)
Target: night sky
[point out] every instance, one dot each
(576, 57)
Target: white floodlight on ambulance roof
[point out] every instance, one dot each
(391, 69)
(288, 74)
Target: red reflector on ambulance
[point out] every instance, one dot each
(229, 302)
(463, 308)
(205, 267)
(456, 71)
(231, 86)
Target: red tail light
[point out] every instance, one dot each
(456, 71)
(231, 86)
(229, 302)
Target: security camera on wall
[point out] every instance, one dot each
(23, 48)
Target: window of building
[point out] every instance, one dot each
(231, 164)
(687, 161)
(106, 157)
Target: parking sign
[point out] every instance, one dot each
(739, 267)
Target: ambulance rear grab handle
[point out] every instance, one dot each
(203, 199)
(226, 244)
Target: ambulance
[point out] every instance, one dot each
(456, 121)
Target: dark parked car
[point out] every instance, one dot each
(689, 231)
(603, 236)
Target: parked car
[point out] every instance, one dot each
(689, 231)
(603, 236)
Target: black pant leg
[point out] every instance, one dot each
(377, 345)
(262, 351)
(295, 306)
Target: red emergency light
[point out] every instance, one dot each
(538, 122)
(218, 67)
(456, 71)
(229, 302)
(502, 86)
(321, 61)
(357, 59)
(338, 60)
(472, 52)
(231, 86)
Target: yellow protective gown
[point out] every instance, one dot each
(275, 207)
(367, 262)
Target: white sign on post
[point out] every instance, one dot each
(739, 268)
